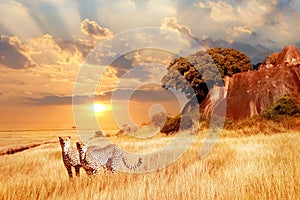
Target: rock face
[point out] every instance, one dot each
(249, 93)
(289, 56)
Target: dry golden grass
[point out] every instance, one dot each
(253, 167)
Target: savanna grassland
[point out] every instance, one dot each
(245, 167)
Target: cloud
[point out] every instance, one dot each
(13, 53)
(201, 5)
(51, 100)
(47, 50)
(48, 65)
(40, 51)
(249, 21)
(138, 95)
(219, 11)
(93, 29)
(146, 56)
(171, 23)
(251, 13)
(237, 31)
(125, 15)
(17, 19)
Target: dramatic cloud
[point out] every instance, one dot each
(13, 53)
(241, 20)
(171, 23)
(51, 100)
(138, 95)
(142, 57)
(93, 29)
(17, 19)
(46, 65)
(251, 13)
(219, 11)
(236, 31)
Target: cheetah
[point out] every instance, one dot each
(108, 157)
(70, 156)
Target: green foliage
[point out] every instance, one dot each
(230, 61)
(285, 106)
(182, 75)
(204, 69)
(173, 124)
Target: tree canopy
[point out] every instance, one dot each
(197, 73)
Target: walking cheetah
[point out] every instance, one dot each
(70, 156)
(108, 157)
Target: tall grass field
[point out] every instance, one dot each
(246, 167)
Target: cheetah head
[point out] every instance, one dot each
(65, 143)
(81, 148)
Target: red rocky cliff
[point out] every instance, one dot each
(249, 93)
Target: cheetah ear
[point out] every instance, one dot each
(69, 137)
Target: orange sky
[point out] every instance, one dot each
(61, 116)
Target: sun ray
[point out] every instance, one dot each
(18, 16)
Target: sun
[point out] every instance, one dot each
(98, 108)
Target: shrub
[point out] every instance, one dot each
(285, 106)
(173, 124)
(99, 134)
(159, 119)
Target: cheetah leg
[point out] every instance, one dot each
(77, 170)
(105, 170)
(88, 173)
(115, 164)
(69, 169)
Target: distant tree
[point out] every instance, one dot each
(173, 124)
(99, 134)
(159, 119)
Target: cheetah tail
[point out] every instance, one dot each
(124, 159)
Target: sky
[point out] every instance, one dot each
(115, 53)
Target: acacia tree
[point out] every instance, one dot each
(195, 74)
(230, 61)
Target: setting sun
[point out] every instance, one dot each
(98, 107)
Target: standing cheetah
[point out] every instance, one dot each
(108, 157)
(70, 156)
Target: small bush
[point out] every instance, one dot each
(173, 124)
(99, 134)
(159, 119)
(285, 106)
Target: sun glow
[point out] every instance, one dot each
(98, 107)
